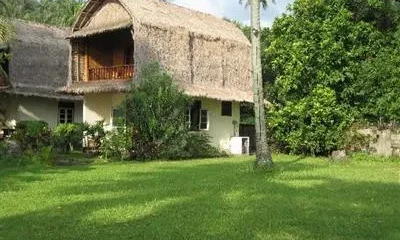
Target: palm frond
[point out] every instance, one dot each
(6, 31)
(263, 3)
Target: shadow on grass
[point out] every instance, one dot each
(15, 178)
(215, 200)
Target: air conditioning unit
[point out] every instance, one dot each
(240, 145)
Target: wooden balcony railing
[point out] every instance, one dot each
(114, 72)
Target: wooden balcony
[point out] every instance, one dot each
(121, 72)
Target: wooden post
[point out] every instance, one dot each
(86, 78)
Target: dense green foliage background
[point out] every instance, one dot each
(53, 12)
(328, 64)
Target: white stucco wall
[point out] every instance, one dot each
(36, 108)
(221, 128)
(99, 107)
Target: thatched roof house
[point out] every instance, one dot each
(39, 61)
(208, 56)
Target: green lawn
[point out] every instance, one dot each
(304, 198)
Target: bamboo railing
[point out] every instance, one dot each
(109, 73)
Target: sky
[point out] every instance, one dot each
(233, 10)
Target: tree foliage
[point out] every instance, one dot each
(331, 63)
(6, 31)
(156, 109)
(53, 12)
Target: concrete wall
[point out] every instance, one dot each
(386, 143)
(99, 107)
(21, 108)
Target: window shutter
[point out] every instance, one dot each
(204, 119)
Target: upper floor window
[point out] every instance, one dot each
(226, 108)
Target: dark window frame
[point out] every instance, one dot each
(66, 112)
(226, 108)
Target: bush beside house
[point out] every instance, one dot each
(153, 125)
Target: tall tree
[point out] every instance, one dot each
(263, 153)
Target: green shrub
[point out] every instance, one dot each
(194, 145)
(69, 136)
(156, 109)
(32, 134)
(95, 133)
(117, 143)
(314, 125)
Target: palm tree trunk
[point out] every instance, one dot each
(263, 153)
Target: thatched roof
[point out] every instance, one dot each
(155, 13)
(97, 86)
(207, 55)
(39, 61)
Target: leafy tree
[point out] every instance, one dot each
(375, 91)
(383, 14)
(344, 50)
(313, 125)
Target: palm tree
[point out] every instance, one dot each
(263, 153)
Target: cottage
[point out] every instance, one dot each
(208, 56)
(37, 67)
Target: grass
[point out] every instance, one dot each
(303, 198)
